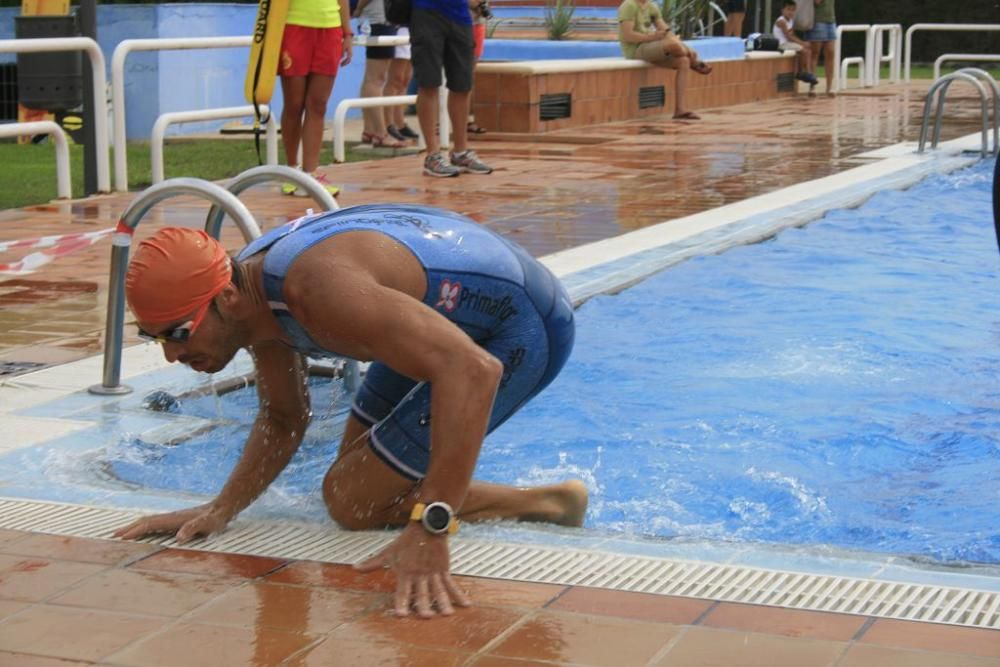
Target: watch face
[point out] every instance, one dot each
(437, 518)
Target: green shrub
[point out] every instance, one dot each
(559, 18)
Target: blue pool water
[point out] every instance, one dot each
(835, 385)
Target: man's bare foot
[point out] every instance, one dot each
(564, 504)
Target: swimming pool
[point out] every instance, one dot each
(834, 386)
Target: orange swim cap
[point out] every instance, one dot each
(173, 273)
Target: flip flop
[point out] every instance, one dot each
(702, 67)
(687, 115)
(472, 128)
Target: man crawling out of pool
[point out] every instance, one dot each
(435, 301)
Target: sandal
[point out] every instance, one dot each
(702, 67)
(687, 115)
(386, 141)
(472, 128)
(368, 138)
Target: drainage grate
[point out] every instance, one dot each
(555, 105)
(565, 566)
(11, 368)
(652, 96)
(785, 82)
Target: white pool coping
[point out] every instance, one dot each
(604, 266)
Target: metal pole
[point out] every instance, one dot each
(86, 21)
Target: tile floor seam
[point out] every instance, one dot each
(555, 598)
(701, 618)
(669, 646)
(848, 645)
(500, 638)
(864, 628)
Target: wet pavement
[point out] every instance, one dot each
(133, 604)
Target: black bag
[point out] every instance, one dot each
(397, 12)
(762, 42)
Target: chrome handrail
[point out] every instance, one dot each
(941, 88)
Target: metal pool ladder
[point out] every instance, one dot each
(224, 201)
(976, 77)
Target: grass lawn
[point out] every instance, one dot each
(34, 165)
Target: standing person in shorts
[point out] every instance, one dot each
(736, 11)
(400, 73)
(377, 61)
(644, 35)
(441, 36)
(317, 41)
(822, 37)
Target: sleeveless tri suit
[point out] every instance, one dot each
(504, 299)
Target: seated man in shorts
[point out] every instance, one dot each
(644, 35)
(462, 326)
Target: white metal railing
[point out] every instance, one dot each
(974, 57)
(121, 52)
(63, 188)
(940, 27)
(53, 44)
(940, 88)
(167, 119)
(832, 70)
(876, 56)
(340, 117)
(845, 65)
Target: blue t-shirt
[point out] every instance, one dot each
(454, 10)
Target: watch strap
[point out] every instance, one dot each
(417, 514)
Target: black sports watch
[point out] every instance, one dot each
(437, 518)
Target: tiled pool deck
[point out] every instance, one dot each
(67, 600)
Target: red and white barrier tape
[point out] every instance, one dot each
(54, 247)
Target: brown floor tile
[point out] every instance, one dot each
(789, 622)
(10, 607)
(339, 651)
(702, 647)
(191, 645)
(469, 629)
(314, 610)
(81, 634)
(157, 593)
(24, 660)
(204, 562)
(934, 637)
(11, 536)
(660, 608)
(497, 661)
(34, 579)
(861, 655)
(104, 552)
(508, 593)
(594, 640)
(337, 576)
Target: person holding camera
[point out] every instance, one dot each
(441, 38)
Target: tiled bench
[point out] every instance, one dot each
(544, 95)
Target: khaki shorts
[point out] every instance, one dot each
(790, 46)
(652, 52)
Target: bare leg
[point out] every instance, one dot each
(318, 89)
(362, 492)
(683, 67)
(376, 71)
(399, 76)
(293, 89)
(458, 114)
(427, 108)
(828, 64)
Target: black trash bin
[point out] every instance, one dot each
(49, 81)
